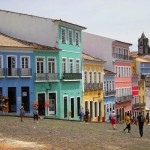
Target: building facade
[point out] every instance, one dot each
(55, 72)
(93, 76)
(109, 93)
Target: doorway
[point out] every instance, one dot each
(72, 107)
(65, 107)
(25, 97)
(12, 99)
(41, 104)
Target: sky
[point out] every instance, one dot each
(123, 20)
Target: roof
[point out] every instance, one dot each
(133, 54)
(107, 72)
(143, 59)
(91, 58)
(62, 21)
(53, 20)
(8, 41)
(123, 42)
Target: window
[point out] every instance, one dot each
(94, 77)
(64, 65)
(40, 65)
(1, 66)
(90, 73)
(25, 62)
(11, 64)
(77, 38)
(0, 62)
(63, 35)
(25, 66)
(77, 66)
(85, 77)
(71, 65)
(70, 37)
(99, 77)
(51, 65)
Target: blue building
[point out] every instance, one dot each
(17, 73)
(109, 93)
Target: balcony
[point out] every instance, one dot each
(72, 76)
(138, 105)
(46, 77)
(124, 98)
(25, 72)
(112, 92)
(2, 72)
(121, 56)
(93, 86)
(15, 72)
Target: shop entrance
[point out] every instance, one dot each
(12, 99)
(41, 104)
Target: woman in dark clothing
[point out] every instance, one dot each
(87, 115)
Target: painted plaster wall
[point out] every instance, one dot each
(18, 82)
(100, 47)
(29, 28)
(92, 94)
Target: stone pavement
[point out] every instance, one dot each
(50, 134)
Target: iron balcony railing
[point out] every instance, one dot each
(138, 105)
(121, 56)
(15, 72)
(72, 76)
(111, 92)
(93, 86)
(124, 98)
(2, 72)
(46, 76)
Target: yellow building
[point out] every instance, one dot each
(93, 77)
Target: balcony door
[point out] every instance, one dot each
(11, 65)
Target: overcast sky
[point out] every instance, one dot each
(123, 20)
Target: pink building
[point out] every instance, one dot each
(116, 53)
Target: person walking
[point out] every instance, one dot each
(22, 111)
(86, 115)
(113, 119)
(128, 122)
(140, 120)
(35, 114)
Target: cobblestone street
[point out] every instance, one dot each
(51, 134)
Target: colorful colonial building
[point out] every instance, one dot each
(109, 93)
(58, 70)
(93, 77)
(116, 53)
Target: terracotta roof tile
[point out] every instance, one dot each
(8, 41)
(91, 58)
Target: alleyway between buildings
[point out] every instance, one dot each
(51, 134)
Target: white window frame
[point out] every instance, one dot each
(70, 37)
(40, 72)
(63, 37)
(77, 38)
(85, 77)
(71, 65)
(77, 65)
(1, 65)
(53, 67)
(64, 65)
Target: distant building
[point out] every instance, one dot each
(143, 45)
